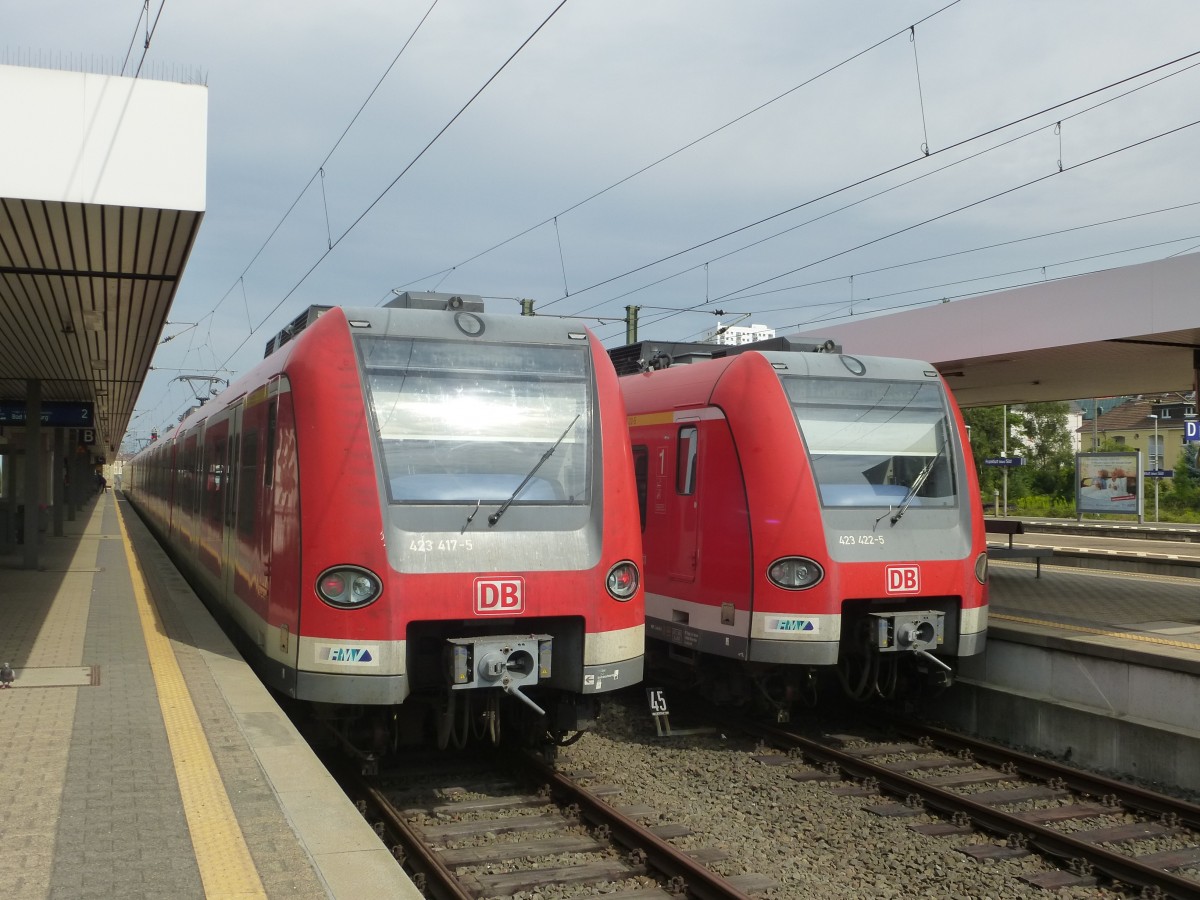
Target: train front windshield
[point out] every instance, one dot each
(870, 442)
(469, 422)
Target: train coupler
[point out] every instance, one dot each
(509, 662)
(911, 631)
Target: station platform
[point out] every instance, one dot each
(1097, 666)
(140, 756)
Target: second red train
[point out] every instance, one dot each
(804, 511)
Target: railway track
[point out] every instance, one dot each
(474, 827)
(1093, 827)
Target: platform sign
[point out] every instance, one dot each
(1191, 430)
(657, 701)
(1108, 483)
(1004, 461)
(1159, 473)
(55, 413)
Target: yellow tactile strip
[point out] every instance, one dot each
(1102, 632)
(226, 867)
(1111, 600)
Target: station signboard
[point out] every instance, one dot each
(1004, 461)
(55, 413)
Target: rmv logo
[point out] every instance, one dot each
(903, 579)
(499, 596)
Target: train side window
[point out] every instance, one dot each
(641, 468)
(213, 484)
(248, 485)
(272, 423)
(685, 468)
(197, 461)
(230, 485)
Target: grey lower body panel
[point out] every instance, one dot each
(612, 676)
(791, 653)
(370, 690)
(794, 653)
(972, 644)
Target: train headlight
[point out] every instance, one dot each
(981, 568)
(348, 587)
(795, 573)
(622, 580)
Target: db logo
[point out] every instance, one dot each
(499, 596)
(903, 579)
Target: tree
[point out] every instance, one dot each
(1185, 486)
(1050, 461)
(986, 424)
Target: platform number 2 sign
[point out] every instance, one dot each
(657, 700)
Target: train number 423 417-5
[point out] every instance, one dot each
(425, 545)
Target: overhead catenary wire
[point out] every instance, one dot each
(734, 295)
(873, 177)
(144, 13)
(403, 172)
(390, 185)
(240, 280)
(320, 170)
(842, 304)
(966, 206)
(700, 307)
(759, 241)
(689, 145)
(149, 35)
(576, 274)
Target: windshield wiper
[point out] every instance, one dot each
(470, 518)
(495, 517)
(916, 484)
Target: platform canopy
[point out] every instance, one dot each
(1131, 330)
(102, 191)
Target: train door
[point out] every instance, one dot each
(212, 497)
(687, 453)
(280, 532)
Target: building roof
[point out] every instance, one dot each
(1134, 415)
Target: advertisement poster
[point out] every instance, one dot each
(1108, 483)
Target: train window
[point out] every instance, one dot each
(248, 485)
(272, 423)
(192, 460)
(469, 422)
(685, 469)
(641, 471)
(213, 484)
(871, 443)
(230, 486)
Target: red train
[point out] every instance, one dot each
(804, 512)
(421, 512)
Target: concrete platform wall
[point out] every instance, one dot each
(1110, 714)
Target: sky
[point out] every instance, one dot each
(776, 162)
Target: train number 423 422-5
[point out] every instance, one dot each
(869, 539)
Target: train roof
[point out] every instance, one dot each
(647, 355)
(416, 314)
